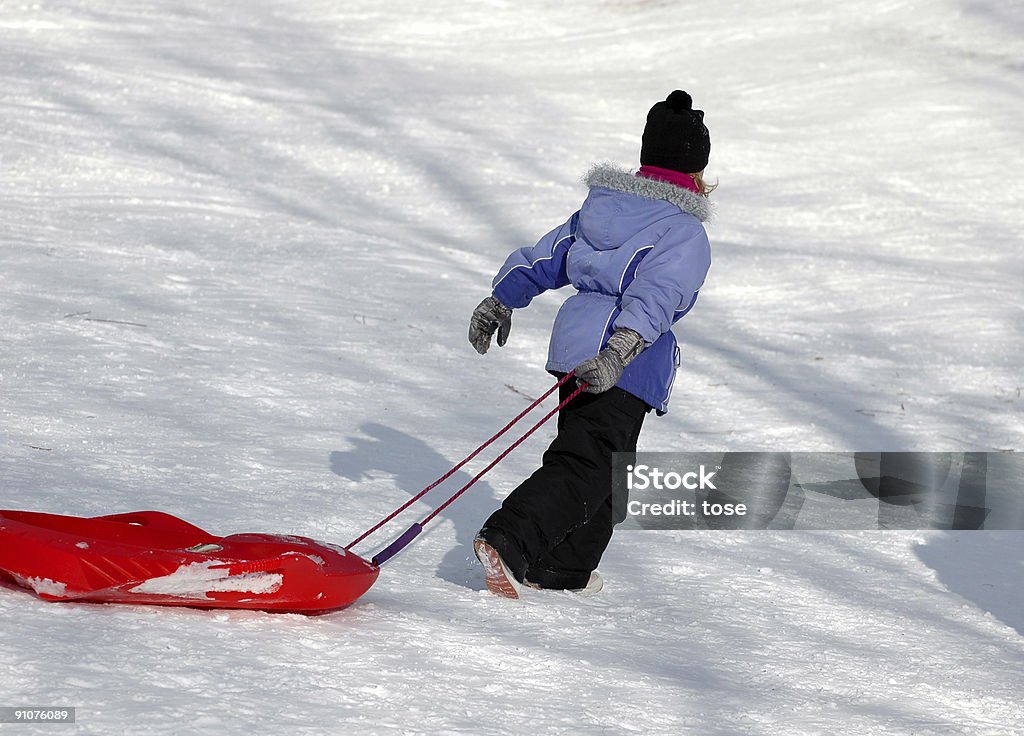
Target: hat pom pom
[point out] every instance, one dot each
(679, 101)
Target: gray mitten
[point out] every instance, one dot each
(602, 371)
(489, 316)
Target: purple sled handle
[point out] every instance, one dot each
(395, 547)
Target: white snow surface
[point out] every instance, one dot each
(241, 242)
(197, 580)
(44, 586)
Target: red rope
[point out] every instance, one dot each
(469, 457)
(502, 456)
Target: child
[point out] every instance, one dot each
(637, 253)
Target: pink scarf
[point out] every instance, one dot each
(668, 175)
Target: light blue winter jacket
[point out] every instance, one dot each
(637, 253)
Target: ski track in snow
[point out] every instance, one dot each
(241, 244)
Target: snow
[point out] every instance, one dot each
(44, 586)
(197, 580)
(241, 244)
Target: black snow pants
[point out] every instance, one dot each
(552, 530)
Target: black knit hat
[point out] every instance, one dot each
(675, 136)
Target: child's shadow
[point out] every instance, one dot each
(414, 464)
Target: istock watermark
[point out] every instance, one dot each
(642, 477)
(826, 490)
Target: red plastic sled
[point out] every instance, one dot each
(155, 558)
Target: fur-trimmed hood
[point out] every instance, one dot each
(609, 176)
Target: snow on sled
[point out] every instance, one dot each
(155, 558)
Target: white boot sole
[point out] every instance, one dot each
(594, 586)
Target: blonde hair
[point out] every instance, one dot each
(704, 189)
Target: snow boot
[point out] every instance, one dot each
(497, 576)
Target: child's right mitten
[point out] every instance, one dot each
(603, 371)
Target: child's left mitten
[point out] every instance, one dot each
(490, 316)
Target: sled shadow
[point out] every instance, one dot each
(414, 465)
(984, 568)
